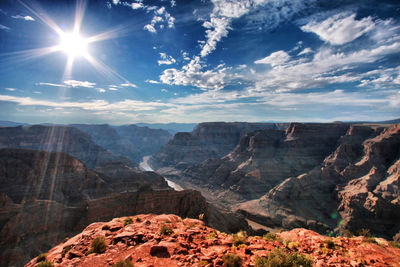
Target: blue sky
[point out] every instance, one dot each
(195, 61)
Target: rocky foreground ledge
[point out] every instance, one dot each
(168, 240)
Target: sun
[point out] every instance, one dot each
(73, 44)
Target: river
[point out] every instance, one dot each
(144, 165)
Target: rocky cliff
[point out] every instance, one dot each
(46, 197)
(207, 140)
(355, 187)
(59, 139)
(168, 240)
(326, 177)
(130, 141)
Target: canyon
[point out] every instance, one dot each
(331, 178)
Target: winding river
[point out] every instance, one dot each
(144, 165)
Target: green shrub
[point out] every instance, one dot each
(99, 245)
(165, 230)
(364, 232)
(41, 257)
(394, 244)
(212, 235)
(348, 233)
(239, 238)
(204, 263)
(369, 239)
(138, 219)
(270, 236)
(45, 264)
(232, 260)
(128, 221)
(282, 258)
(123, 263)
(328, 243)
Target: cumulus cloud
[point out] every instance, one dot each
(274, 59)
(101, 90)
(165, 59)
(27, 18)
(74, 83)
(340, 28)
(150, 28)
(326, 67)
(193, 74)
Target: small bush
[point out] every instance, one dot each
(282, 258)
(396, 237)
(369, 239)
(128, 221)
(232, 260)
(165, 230)
(293, 244)
(364, 232)
(45, 264)
(239, 238)
(328, 243)
(99, 245)
(138, 219)
(270, 236)
(394, 244)
(348, 233)
(125, 263)
(211, 235)
(204, 263)
(41, 257)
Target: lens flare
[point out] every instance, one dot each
(73, 44)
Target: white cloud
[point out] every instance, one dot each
(129, 85)
(27, 18)
(4, 28)
(152, 81)
(37, 92)
(340, 28)
(101, 90)
(52, 84)
(327, 66)
(113, 88)
(150, 28)
(74, 83)
(305, 51)
(10, 89)
(164, 90)
(277, 58)
(192, 74)
(173, 3)
(137, 5)
(165, 59)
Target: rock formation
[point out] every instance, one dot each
(207, 140)
(326, 177)
(46, 197)
(59, 139)
(168, 240)
(130, 141)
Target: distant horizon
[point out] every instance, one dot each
(118, 62)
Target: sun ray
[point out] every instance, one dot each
(41, 14)
(105, 70)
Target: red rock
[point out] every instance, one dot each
(159, 251)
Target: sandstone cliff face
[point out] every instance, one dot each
(355, 187)
(59, 139)
(326, 177)
(264, 158)
(207, 140)
(130, 141)
(46, 197)
(191, 243)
